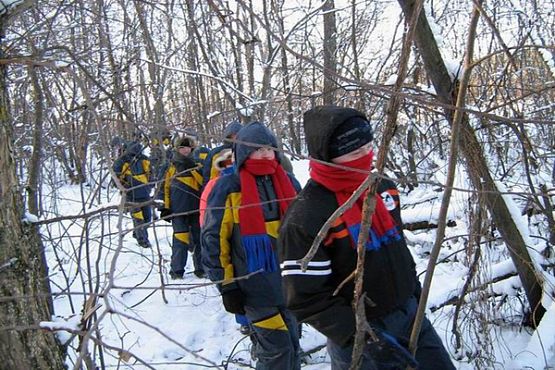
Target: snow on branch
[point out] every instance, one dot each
(6, 6)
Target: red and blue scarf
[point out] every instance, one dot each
(343, 183)
(257, 243)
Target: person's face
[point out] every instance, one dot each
(263, 153)
(355, 154)
(184, 150)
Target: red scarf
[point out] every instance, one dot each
(343, 183)
(251, 214)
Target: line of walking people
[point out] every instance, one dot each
(256, 224)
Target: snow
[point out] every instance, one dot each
(63, 327)
(7, 5)
(30, 218)
(540, 350)
(212, 115)
(182, 322)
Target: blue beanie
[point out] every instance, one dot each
(255, 133)
(349, 136)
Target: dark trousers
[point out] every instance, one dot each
(180, 244)
(141, 216)
(430, 354)
(195, 246)
(277, 340)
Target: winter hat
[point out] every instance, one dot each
(320, 124)
(224, 160)
(255, 133)
(232, 128)
(184, 141)
(117, 141)
(133, 148)
(349, 136)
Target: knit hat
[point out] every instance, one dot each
(349, 136)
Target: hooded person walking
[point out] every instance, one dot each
(182, 183)
(133, 170)
(210, 172)
(243, 215)
(322, 295)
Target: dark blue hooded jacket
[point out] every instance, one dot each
(133, 170)
(224, 254)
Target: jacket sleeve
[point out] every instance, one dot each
(309, 294)
(206, 167)
(295, 182)
(166, 184)
(118, 166)
(216, 237)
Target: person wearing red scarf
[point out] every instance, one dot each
(241, 222)
(322, 295)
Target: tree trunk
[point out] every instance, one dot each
(330, 49)
(23, 275)
(477, 165)
(35, 164)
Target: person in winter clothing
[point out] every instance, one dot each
(240, 229)
(160, 155)
(200, 153)
(224, 165)
(208, 170)
(181, 185)
(344, 136)
(133, 170)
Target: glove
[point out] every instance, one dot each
(389, 351)
(234, 301)
(164, 213)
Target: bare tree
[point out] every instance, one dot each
(23, 345)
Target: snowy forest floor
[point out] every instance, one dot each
(145, 320)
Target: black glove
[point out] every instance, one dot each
(164, 213)
(234, 301)
(388, 350)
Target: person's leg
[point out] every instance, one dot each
(274, 346)
(179, 246)
(341, 357)
(195, 233)
(139, 232)
(430, 353)
(147, 218)
(293, 327)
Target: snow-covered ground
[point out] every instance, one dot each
(145, 320)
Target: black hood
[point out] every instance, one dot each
(319, 124)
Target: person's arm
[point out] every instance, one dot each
(216, 235)
(207, 165)
(309, 295)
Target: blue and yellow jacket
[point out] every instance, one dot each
(133, 170)
(209, 171)
(223, 254)
(181, 185)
